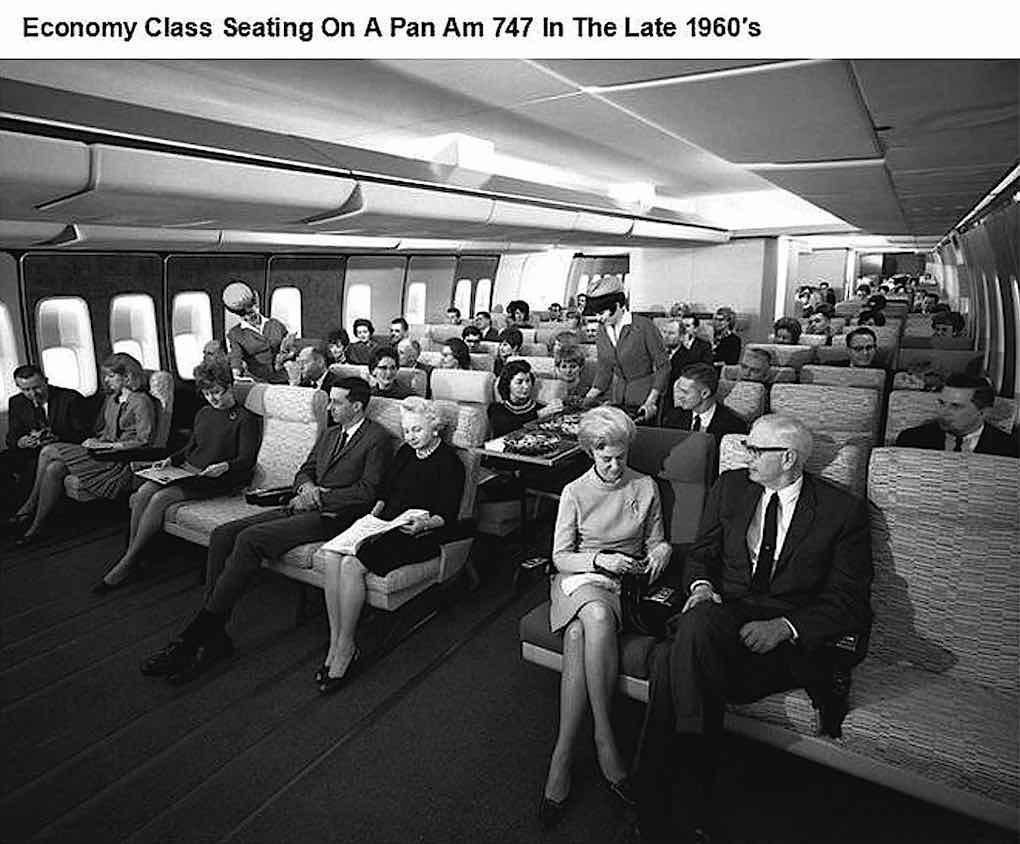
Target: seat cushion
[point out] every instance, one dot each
(634, 650)
(202, 517)
(940, 727)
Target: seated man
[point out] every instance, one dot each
(781, 566)
(827, 293)
(697, 405)
(947, 324)
(961, 426)
(863, 292)
(37, 415)
(382, 369)
(929, 300)
(313, 369)
(862, 348)
(398, 330)
(820, 322)
(786, 331)
(472, 337)
(727, 344)
(484, 324)
(869, 317)
(408, 352)
(684, 348)
(214, 351)
(453, 315)
(756, 365)
(555, 312)
(339, 482)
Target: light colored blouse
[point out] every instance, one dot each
(623, 517)
(131, 422)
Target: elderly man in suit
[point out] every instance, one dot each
(632, 365)
(961, 425)
(38, 414)
(780, 568)
(338, 483)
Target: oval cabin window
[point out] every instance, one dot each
(191, 325)
(67, 353)
(133, 328)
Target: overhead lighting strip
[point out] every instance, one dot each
(706, 76)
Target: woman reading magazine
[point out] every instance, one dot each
(422, 490)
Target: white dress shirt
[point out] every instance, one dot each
(613, 331)
(970, 440)
(706, 418)
(788, 497)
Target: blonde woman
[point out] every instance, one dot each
(426, 475)
(128, 421)
(609, 524)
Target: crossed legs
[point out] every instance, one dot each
(590, 669)
(47, 489)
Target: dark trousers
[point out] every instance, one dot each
(236, 550)
(17, 474)
(702, 666)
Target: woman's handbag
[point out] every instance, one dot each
(646, 608)
(275, 497)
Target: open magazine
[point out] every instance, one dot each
(166, 475)
(365, 528)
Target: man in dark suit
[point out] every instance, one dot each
(697, 407)
(314, 372)
(688, 348)
(781, 566)
(961, 426)
(38, 414)
(338, 483)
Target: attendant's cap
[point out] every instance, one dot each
(601, 292)
(238, 297)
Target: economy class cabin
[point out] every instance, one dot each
(134, 193)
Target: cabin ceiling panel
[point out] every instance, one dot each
(36, 170)
(495, 82)
(20, 234)
(623, 71)
(131, 186)
(790, 114)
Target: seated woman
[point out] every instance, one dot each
(128, 421)
(609, 524)
(426, 474)
(517, 405)
(786, 331)
(569, 363)
(455, 355)
(871, 318)
(382, 369)
(254, 343)
(224, 444)
(337, 342)
(510, 342)
(360, 351)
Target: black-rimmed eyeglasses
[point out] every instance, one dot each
(758, 450)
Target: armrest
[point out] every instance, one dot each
(126, 455)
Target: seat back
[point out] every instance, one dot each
(830, 409)
(782, 355)
(778, 374)
(948, 361)
(482, 361)
(909, 408)
(840, 458)
(161, 388)
(462, 426)
(850, 308)
(945, 539)
(549, 389)
(681, 463)
(292, 419)
(745, 398)
(843, 376)
(466, 386)
(415, 380)
(542, 365)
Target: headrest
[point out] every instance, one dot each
(463, 385)
(292, 404)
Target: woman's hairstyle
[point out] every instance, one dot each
(472, 330)
(602, 426)
(383, 352)
(569, 354)
(512, 336)
(460, 352)
(417, 406)
(790, 324)
(126, 366)
(214, 373)
(727, 314)
(340, 337)
(361, 321)
(518, 305)
(866, 317)
(238, 296)
(514, 367)
(564, 338)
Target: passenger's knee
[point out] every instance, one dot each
(596, 615)
(351, 565)
(48, 452)
(574, 634)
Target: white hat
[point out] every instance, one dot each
(238, 297)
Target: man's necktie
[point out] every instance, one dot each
(959, 444)
(766, 554)
(40, 416)
(696, 423)
(341, 441)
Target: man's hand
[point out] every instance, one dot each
(28, 440)
(702, 592)
(310, 496)
(760, 637)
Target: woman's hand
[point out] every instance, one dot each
(214, 470)
(658, 559)
(555, 406)
(91, 442)
(617, 563)
(416, 525)
(161, 464)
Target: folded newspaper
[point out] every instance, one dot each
(572, 582)
(366, 528)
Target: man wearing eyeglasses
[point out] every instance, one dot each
(862, 348)
(780, 568)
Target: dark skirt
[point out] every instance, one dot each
(395, 549)
(103, 479)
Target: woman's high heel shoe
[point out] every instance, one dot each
(550, 812)
(624, 791)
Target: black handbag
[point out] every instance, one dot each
(647, 608)
(274, 497)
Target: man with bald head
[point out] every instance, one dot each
(780, 569)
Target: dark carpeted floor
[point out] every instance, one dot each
(443, 737)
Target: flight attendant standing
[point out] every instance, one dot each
(632, 365)
(254, 343)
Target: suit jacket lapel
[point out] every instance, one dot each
(803, 517)
(333, 457)
(752, 495)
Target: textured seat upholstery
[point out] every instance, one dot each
(827, 408)
(909, 408)
(292, 418)
(782, 355)
(745, 398)
(777, 374)
(843, 376)
(948, 361)
(542, 365)
(465, 386)
(159, 385)
(464, 427)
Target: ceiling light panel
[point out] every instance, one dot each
(602, 72)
